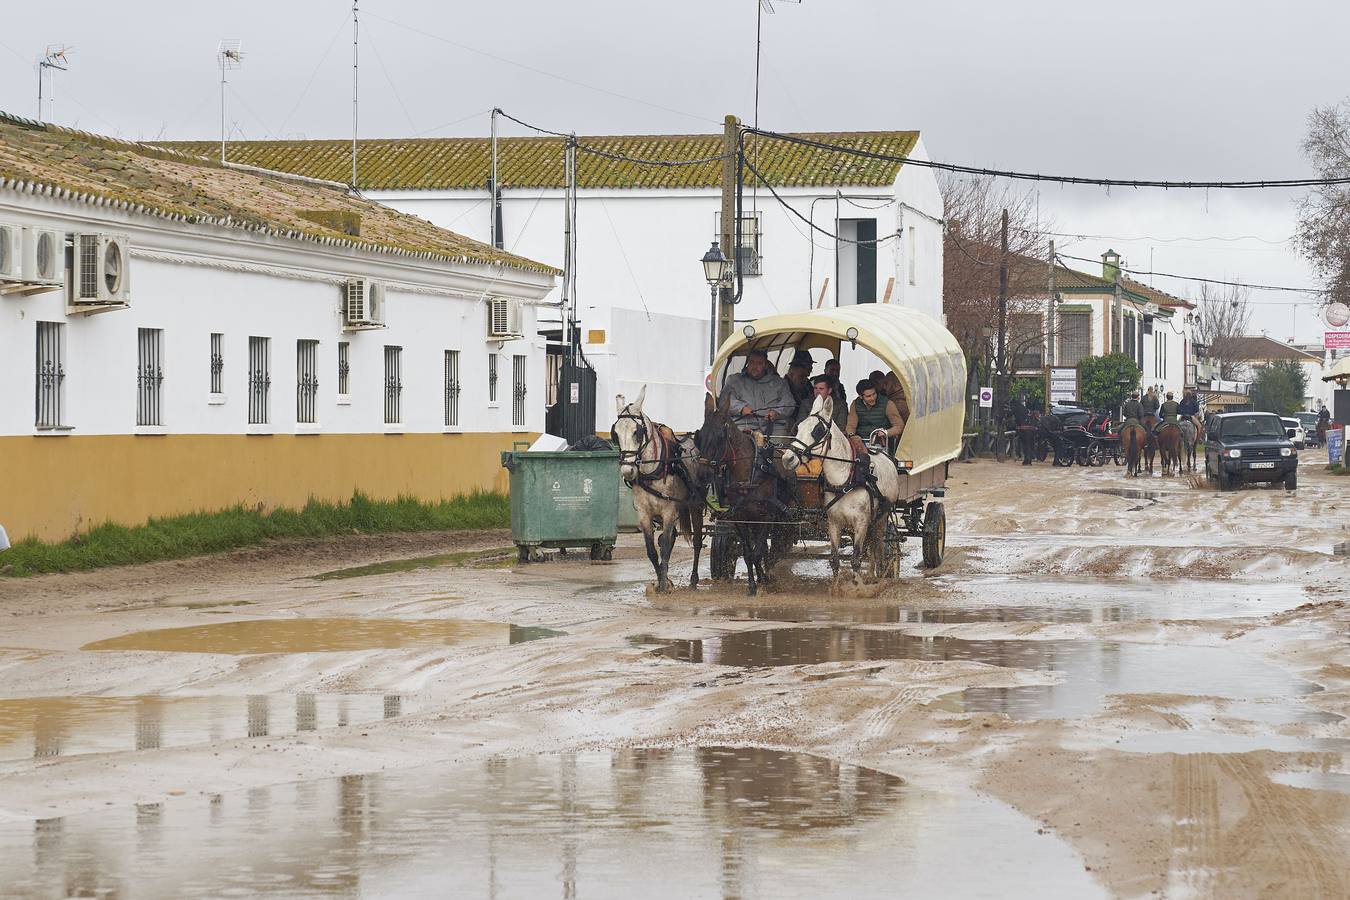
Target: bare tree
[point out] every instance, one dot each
(1323, 233)
(1225, 316)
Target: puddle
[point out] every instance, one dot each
(1136, 494)
(1189, 741)
(41, 727)
(1315, 780)
(321, 635)
(708, 822)
(205, 606)
(498, 556)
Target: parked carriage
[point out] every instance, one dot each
(1072, 435)
(930, 367)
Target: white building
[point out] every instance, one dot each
(177, 335)
(643, 302)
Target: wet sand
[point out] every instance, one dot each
(1127, 688)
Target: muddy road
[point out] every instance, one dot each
(1109, 688)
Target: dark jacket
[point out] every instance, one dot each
(1188, 406)
(1131, 409)
(1170, 410)
(1149, 404)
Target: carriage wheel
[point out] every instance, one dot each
(1116, 455)
(1063, 455)
(1097, 453)
(934, 535)
(1042, 449)
(1082, 455)
(724, 552)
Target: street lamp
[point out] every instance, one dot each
(1124, 384)
(715, 266)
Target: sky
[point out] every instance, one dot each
(1189, 90)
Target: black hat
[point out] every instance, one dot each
(802, 358)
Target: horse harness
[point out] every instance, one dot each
(861, 474)
(664, 464)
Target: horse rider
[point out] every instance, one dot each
(1189, 408)
(1131, 411)
(823, 386)
(759, 396)
(1323, 422)
(799, 377)
(1169, 411)
(1150, 403)
(870, 413)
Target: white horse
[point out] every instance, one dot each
(1188, 436)
(651, 461)
(851, 507)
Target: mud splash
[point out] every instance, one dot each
(44, 727)
(717, 821)
(322, 635)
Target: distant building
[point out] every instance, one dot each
(1256, 351)
(177, 335)
(642, 231)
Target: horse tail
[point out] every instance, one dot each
(687, 522)
(1134, 443)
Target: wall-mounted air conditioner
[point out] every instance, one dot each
(43, 256)
(11, 252)
(504, 319)
(362, 303)
(100, 270)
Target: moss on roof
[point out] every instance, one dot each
(537, 162)
(162, 181)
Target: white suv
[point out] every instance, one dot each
(1293, 429)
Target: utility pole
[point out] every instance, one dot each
(493, 196)
(1050, 310)
(356, 81)
(727, 225)
(1001, 356)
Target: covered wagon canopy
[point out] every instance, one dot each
(924, 355)
(1340, 372)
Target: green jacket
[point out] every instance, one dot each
(1169, 410)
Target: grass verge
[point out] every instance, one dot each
(199, 533)
(1338, 470)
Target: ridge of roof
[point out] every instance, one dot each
(464, 163)
(163, 181)
(1249, 347)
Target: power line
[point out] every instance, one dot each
(315, 74)
(619, 157)
(1156, 240)
(1219, 281)
(474, 115)
(796, 212)
(1034, 176)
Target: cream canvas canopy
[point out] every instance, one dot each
(923, 354)
(1339, 372)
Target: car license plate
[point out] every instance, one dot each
(1265, 465)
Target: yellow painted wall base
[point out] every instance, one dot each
(54, 487)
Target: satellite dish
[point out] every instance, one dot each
(1336, 314)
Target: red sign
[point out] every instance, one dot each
(1336, 340)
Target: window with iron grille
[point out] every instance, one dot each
(259, 380)
(344, 368)
(1075, 337)
(51, 374)
(1128, 348)
(306, 382)
(149, 376)
(518, 391)
(492, 378)
(1026, 339)
(452, 388)
(749, 253)
(393, 385)
(217, 363)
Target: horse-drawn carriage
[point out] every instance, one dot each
(1071, 435)
(879, 497)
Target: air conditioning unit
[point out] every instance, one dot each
(362, 303)
(101, 274)
(504, 318)
(11, 252)
(43, 256)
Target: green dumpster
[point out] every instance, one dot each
(563, 499)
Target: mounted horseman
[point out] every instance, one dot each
(1133, 436)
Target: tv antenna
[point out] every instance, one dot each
(765, 6)
(229, 56)
(53, 60)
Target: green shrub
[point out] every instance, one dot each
(198, 533)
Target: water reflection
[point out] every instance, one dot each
(39, 727)
(322, 635)
(719, 822)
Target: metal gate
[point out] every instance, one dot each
(570, 413)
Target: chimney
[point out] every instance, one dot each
(1111, 265)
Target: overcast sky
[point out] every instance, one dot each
(1184, 89)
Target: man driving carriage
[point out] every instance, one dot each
(759, 398)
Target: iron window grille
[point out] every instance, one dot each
(518, 391)
(306, 382)
(344, 368)
(259, 379)
(452, 388)
(217, 363)
(393, 385)
(492, 378)
(149, 376)
(1075, 337)
(51, 374)
(749, 257)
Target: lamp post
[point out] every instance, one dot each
(715, 266)
(1123, 384)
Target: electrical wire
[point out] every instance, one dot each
(1254, 287)
(481, 112)
(1156, 240)
(619, 157)
(370, 39)
(315, 74)
(1033, 176)
(814, 227)
(624, 253)
(951, 235)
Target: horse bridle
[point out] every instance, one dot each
(821, 433)
(634, 457)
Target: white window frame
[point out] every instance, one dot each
(49, 394)
(453, 388)
(306, 384)
(149, 380)
(259, 384)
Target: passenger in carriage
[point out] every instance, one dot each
(823, 386)
(832, 369)
(758, 396)
(871, 412)
(889, 387)
(799, 377)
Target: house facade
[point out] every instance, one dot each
(641, 230)
(180, 335)
(1257, 351)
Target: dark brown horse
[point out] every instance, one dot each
(1168, 439)
(1133, 439)
(1150, 422)
(750, 481)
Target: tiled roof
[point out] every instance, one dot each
(1153, 295)
(154, 180)
(1259, 348)
(537, 162)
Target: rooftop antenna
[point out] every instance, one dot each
(53, 59)
(765, 6)
(230, 56)
(356, 83)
